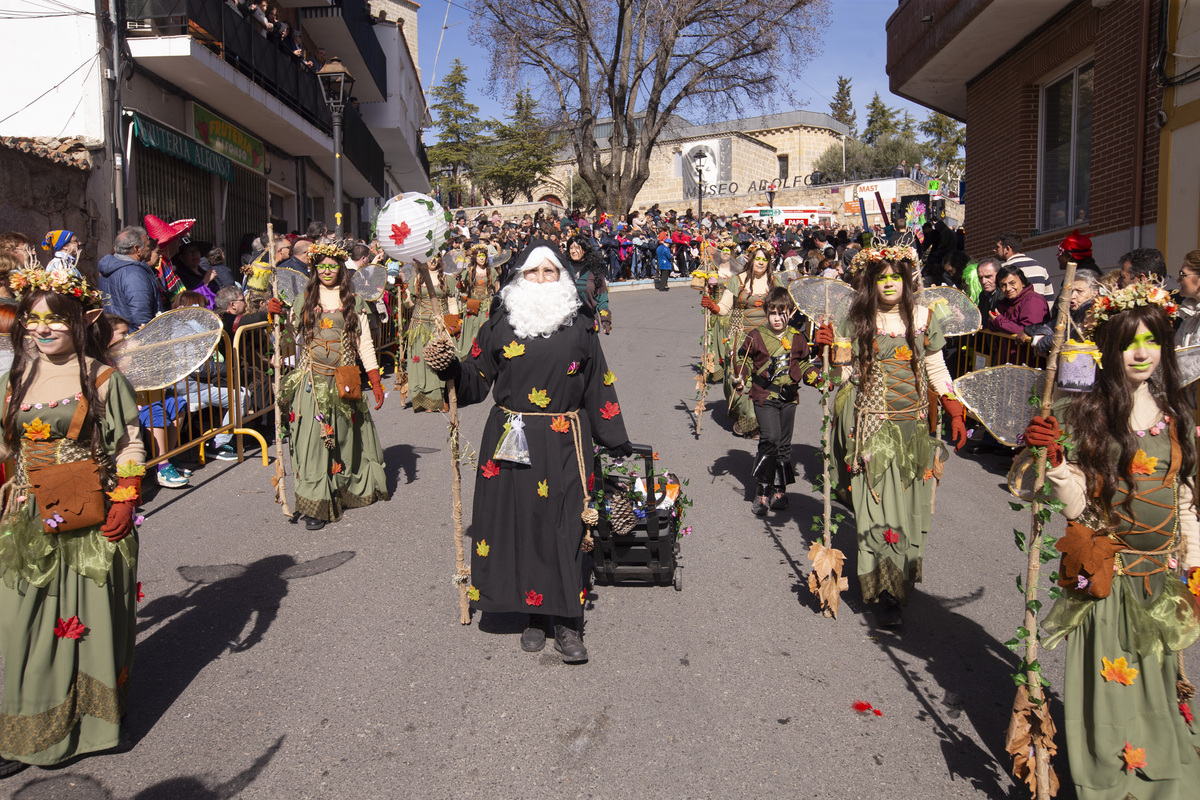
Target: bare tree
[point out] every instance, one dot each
(636, 62)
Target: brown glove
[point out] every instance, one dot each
(120, 515)
(710, 304)
(958, 421)
(824, 336)
(376, 387)
(1045, 433)
(274, 305)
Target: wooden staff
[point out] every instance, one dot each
(827, 536)
(1033, 682)
(462, 575)
(280, 479)
(702, 401)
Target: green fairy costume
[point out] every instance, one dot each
(67, 600)
(745, 314)
(335, 448)
(427, 390)
(474, 285)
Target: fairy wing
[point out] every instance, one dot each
(369, 282)
(168, 348)
(453, 261)
(291, 285)
(500, 259)
(1188, 359)
(952, 308)
(1000, 398)
(821, 299)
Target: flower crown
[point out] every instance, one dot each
(1139, 293)
(476, 249)
(894, 253)
(59, 281)
(764, 245)
(328, 250)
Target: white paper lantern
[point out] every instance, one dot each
(412, 227)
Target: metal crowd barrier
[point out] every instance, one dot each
(252, 373)
(989, 349)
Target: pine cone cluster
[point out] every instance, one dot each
(620, 515)
(439, 354)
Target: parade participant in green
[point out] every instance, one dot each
(476, 285)
(884, 415)
(427, 390)
(774, 357)
(335, 450)
(1125, 470)
(554, 395)
(68, 543)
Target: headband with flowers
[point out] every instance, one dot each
(59, 281)
(894, 253)
(327, 250)
(1139, 293)
(763, 245)
(476, 250)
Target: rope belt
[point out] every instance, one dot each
(590, 516)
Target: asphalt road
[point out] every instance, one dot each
(274, 662)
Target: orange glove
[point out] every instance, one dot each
(824, 336)
(376, 387)
(120, 515)
(1044, 433)
(958, 421)
(710, 304)
(274, 306)
(472, 307)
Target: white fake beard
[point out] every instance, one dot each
(539, 309)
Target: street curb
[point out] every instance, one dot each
(629, 286)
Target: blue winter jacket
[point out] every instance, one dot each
(131, 289)
(665, 259)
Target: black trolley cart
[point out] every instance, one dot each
(649, 551)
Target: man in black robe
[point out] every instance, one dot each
(554, 395)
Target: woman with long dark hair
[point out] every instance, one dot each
(588, 266)
(1125, 472)
(335, 449)
(884, 416)
(477, 284)
(68, 543)
(427, 390)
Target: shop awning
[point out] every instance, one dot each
(151, 134)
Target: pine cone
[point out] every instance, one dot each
(621, 516)
(439, 354)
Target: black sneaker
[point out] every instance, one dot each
(8, 768)
(759, 506)
(568, 642)
(779, 501)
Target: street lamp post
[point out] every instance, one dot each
(336, 84)
(699, 159)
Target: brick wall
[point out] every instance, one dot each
(1003, 124)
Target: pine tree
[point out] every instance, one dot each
(521, 156)
(945, 139)
(881, 121)
(458, 128)
(908, 127)
(842, 106)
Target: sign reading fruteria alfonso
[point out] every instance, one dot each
(227, 139)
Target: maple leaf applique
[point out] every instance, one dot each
(583, 597)
(123, 494)
(1186, 711)
(532, 598)
(512, 349)
(489, 470)
(69, 628)
(336, 469)
(476, 350)
(610, 410)
(866, 708)
(37, 431)
(483, 548)
(904, 352)
(1142, 464)
(1193, 583)
(1118, 671)
(1135, 757)
(539, 398)
(609, 378)
(141, 594)
(560, 425)
(325, 324)
(473, 593)
(400, 233)
(890, 536)
(543, 489)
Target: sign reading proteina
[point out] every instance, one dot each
(227, 139)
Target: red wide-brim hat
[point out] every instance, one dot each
(164, 232)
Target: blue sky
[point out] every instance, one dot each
(855, 45)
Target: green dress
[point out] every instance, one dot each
(891, 458)
(1148, 617)
(64, 696)
(746, 315)
(481, 291)
(427, 390)
(335, 449)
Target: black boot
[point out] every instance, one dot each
(779, 499)
(313, 524)
(568, 641)
(890, 614)
(784, 475)
(533, 638)
(761, 500)
(10, 767)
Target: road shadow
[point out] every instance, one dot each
(961, 677)
(73, 786)
(736, 464)
(206, 621)
(402, 459)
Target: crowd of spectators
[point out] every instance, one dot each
(270, 22)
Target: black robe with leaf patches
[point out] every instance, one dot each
(533, 560)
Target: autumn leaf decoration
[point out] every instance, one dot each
(512, 349)
(609, 378)
(539, 398)
(1030, 727)
(610, 410)
(904, 352)
(890, 536)
(473, 593)
(1193, 583)
(543, 489)
(1135, 757)
(583, 597)
(70, 628)
(123, 494)
(826, 581)
(37, 430)
(141, 594)
(866, 708)
(336, 469)
(489, 470)
(483, 548)
(1142, 464)
(400, 233)
(560, 425)
(325, 324)
(532, 598)
(1118, 671)
(476, 350)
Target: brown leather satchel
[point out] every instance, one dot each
(349, 382)
(453, 323)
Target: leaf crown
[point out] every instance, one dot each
(328, 250)
(59, 281)
(894, 253)
(1138, 293)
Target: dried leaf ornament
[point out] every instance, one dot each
(476, 351)
(482, 548)
(70, 628)
(325, 324)
(1142, 464)
(1118, 671)
(904, 352)
(1030, 727)
(489, 470)
(336, 469)
(539, 398)
(1193, 583)
(610, 410)
(123, 494)
(560, 425)
(890, 536)
(512, 349)
(826, 581)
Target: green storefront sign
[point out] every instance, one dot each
(151, 134)
(228, 139)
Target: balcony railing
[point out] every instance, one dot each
(237, 41)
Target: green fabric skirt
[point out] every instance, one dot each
(427, 390)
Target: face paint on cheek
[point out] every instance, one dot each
(1143, 340)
